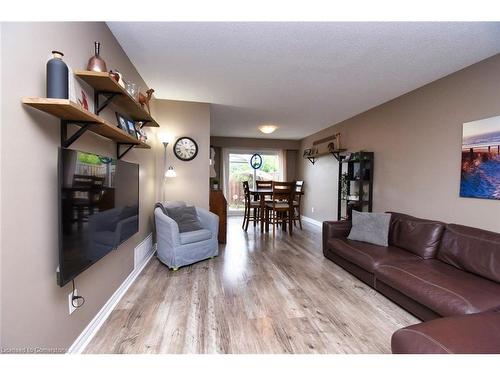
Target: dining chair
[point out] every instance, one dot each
(252, 208)
(280, 209)
(265, 185)
(297, 203)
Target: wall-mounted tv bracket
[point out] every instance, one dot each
(127, 149)
(65, 141)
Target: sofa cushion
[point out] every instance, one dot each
(195, 236)
(186, 218)
(463, 334)
(420, 236)
(471, 249)
(439, 286)
(370, 227)
(368, 256)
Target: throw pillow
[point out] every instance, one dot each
(185, 217)
(370, 227)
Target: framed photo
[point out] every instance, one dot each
(126, 124)
(131, 128)
(122, 122)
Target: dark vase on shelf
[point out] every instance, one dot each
(96, 63)
(57, 77)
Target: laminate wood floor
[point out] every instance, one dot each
(260, 295)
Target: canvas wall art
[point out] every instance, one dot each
(480, 176)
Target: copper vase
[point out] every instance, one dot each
(96, 63)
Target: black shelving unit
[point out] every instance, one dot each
(355, 190)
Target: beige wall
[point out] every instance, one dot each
(192, 120)
(34, 308)
(417, 143)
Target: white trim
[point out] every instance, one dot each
(91, 329)
(312, 221)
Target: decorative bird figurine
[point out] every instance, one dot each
(144, 99)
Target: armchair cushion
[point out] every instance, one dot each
(186, 218)
(195, 236)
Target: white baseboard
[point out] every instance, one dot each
(312, 221)
(142, 255)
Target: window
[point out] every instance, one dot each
(238, 169)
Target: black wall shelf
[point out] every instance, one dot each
(355, 188)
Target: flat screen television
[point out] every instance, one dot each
(98, 209)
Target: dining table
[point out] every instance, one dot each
(260, 194)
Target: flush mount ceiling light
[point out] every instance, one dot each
(267, 129)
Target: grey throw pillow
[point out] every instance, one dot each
(370, 227)
(185, 217)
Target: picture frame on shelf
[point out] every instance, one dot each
(131, 128)
(126, 124)
(122, 122)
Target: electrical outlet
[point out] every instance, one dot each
(312, 209)
(70, 301)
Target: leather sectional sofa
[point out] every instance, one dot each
(448, 275)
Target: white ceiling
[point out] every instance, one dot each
(302, 77)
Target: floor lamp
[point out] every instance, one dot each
(170, 172)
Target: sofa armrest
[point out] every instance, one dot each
(335, 229)
(462, 334)
(209, 220)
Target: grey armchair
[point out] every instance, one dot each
(180, 249)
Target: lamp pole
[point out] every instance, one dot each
(165, 144)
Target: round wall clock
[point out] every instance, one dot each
(256, 161)
(185, 149)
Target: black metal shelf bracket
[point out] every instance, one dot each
(336, 155)
(312, 159)
(84, 126)
(109, 98)
(121, 155)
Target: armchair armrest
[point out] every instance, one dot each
(167, 229)
(335, 229)
(209, 220)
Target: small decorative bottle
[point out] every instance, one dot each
(96, 63)
(57, 77)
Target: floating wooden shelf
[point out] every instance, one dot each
(69, 111)
(335, 153)
(103, 84)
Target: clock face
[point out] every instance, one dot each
(185, 148)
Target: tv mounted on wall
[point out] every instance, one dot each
(98, 209)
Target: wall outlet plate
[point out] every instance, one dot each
(70, 301)
(312, 209)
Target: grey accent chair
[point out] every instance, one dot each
(181, 249)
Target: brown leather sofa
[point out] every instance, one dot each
(448, 275)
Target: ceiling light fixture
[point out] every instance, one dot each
(267, 129)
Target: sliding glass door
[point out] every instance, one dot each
(238, 169)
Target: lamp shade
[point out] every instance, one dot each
(165, 137)
(170, 172)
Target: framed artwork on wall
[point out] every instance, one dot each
(480, 173)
